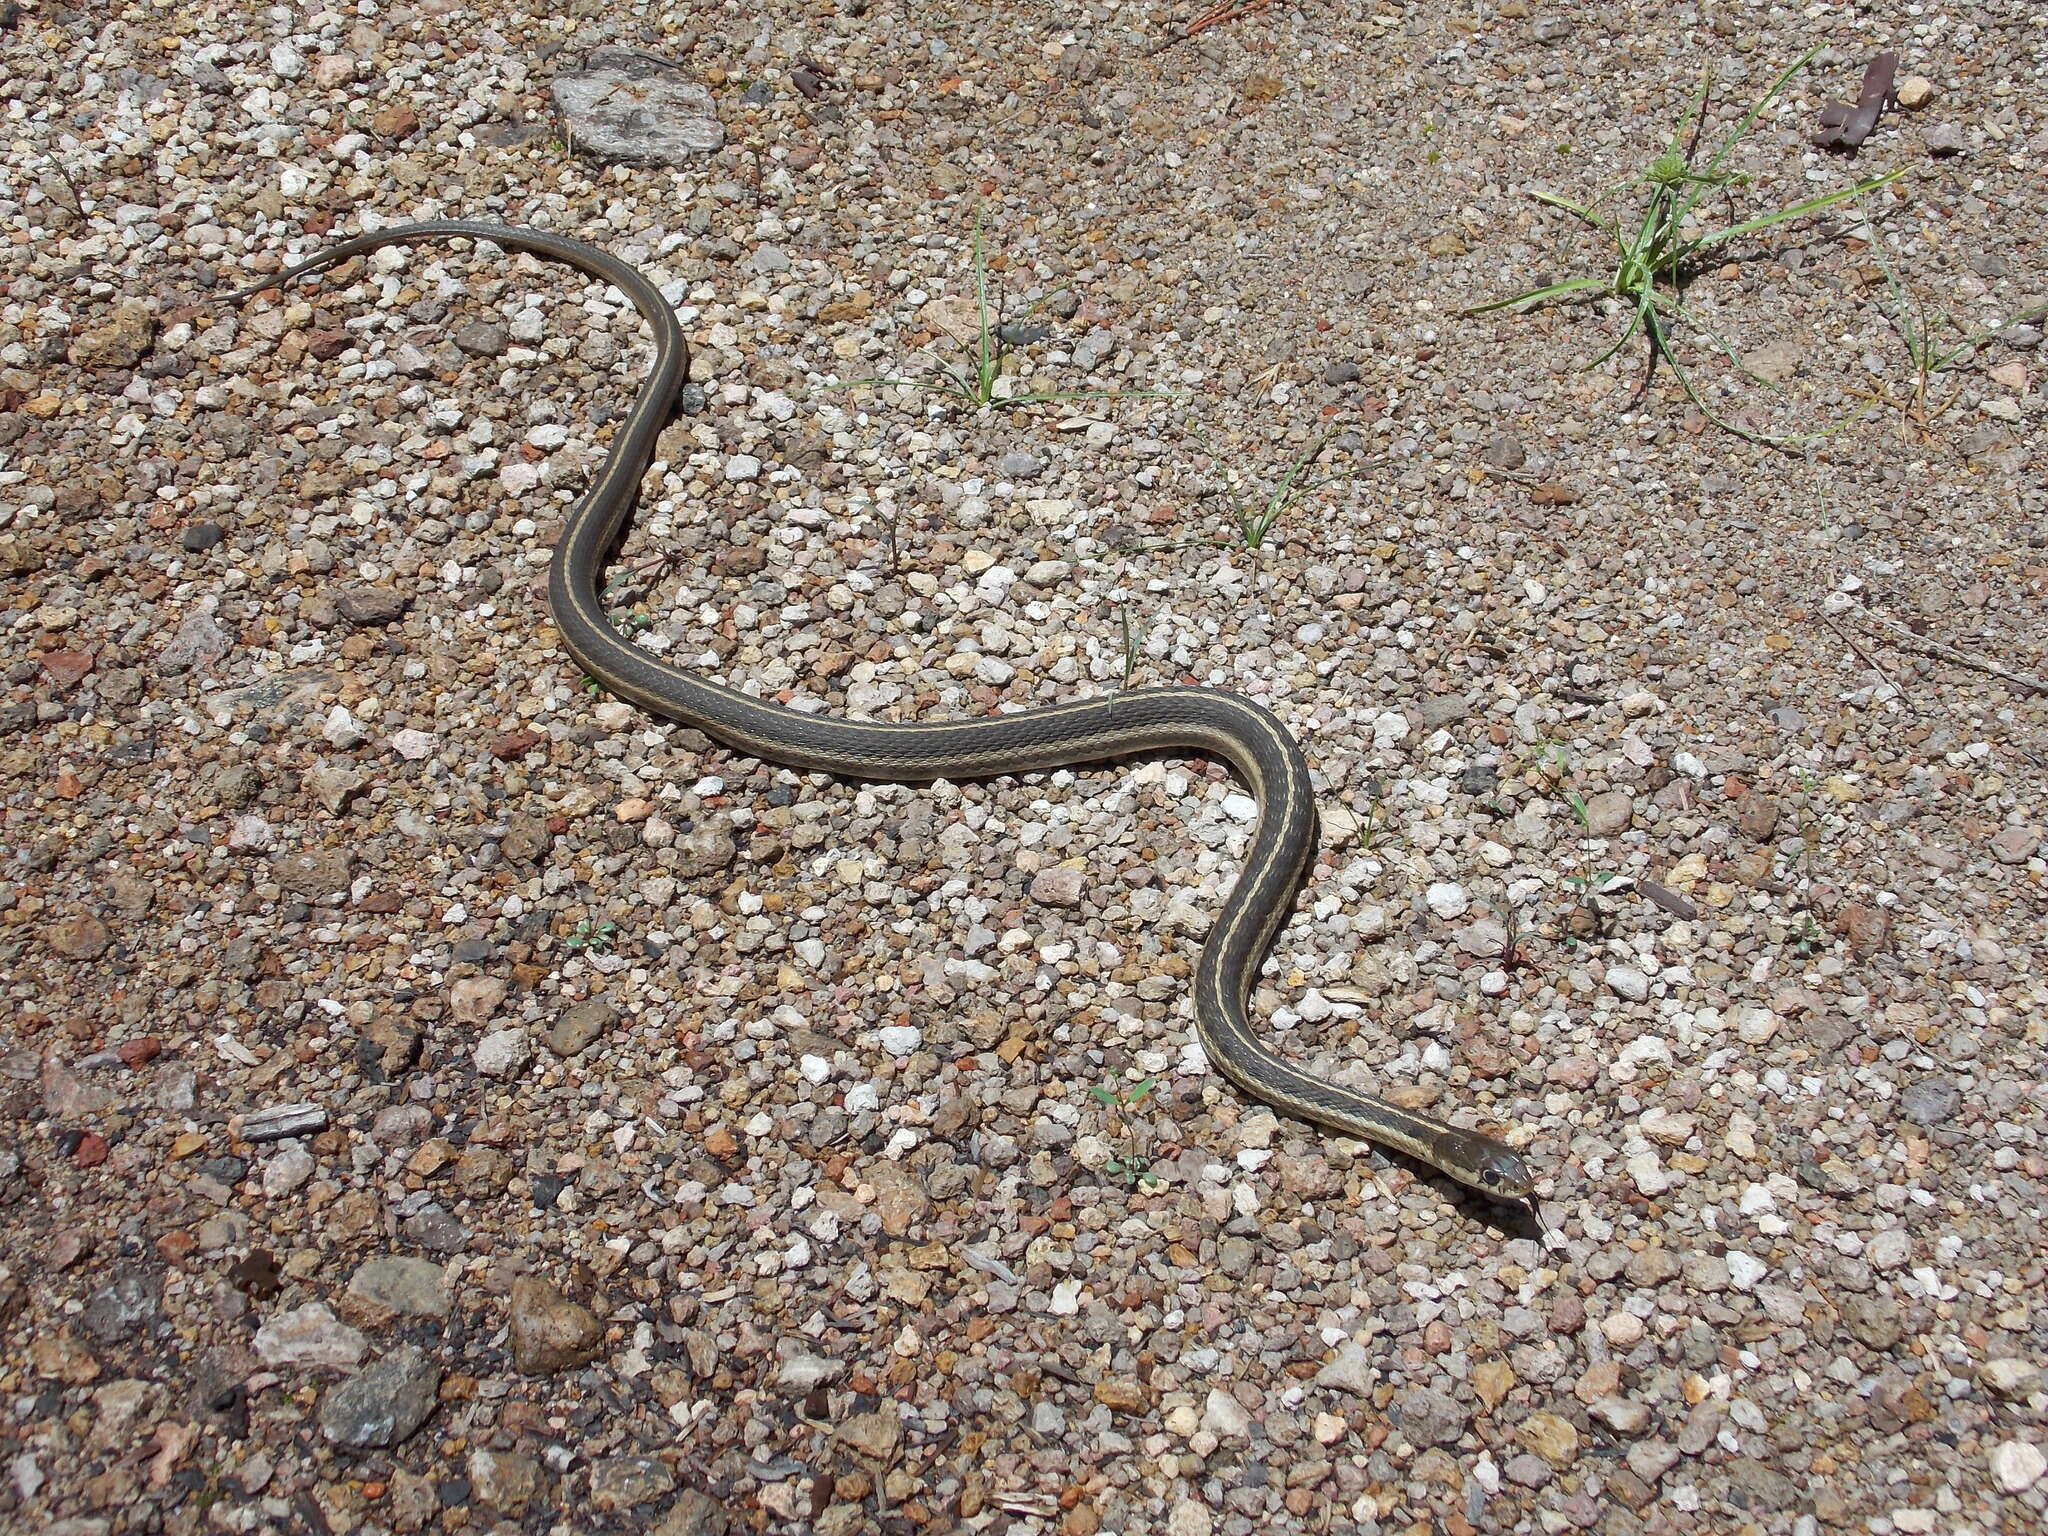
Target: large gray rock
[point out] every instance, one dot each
(378, 1408)
(625, 106)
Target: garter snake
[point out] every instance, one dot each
(1246, 735)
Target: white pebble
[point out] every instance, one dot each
(252, 834)
(342, 729)
(503, 1052)
(414, 745)
(1224, 1415)
(1240, 807)
(901, 1039)
(743, 466)
(1626, 981)
(1745, 1270)
(1755, 1026)
(1647, 1169)
(1446, 900)
(2017, 1465)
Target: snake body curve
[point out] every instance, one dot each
(1092, 730)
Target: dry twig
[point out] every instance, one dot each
(1907, 639)
(1215, 16)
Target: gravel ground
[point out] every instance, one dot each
(437, 1096)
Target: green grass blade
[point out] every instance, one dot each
(1540, 295)
(1971, 343)
(1635, 324)
(1741, 129)
(1576, 210)
(986, 362)
(1797, 210)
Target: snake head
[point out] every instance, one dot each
(1489, 1166)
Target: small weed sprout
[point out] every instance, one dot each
(1656, 258)
(977, 386)
(1129, 1164)
(1256, 519)
(1589, 916)
(1800, 872)
(1514, 937)
(1134, 641)
(1931, 339)
(590, 937)
(1373, 825)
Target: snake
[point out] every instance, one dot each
(1092, 730)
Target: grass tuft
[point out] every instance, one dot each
(977, 385)
(1655, 257)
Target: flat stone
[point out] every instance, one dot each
(2010, 1378)
(503, 1052)
(122, 1308)
(1930, 1100)
(372, 605)
(1775, 361)
(313, 873)
(877, 1435)
(623, 1482)
(503, 1480)
(1224, 1416)
(1610, 813)
(1059, 886)
(1756, 1486)
(401, 1287)
(1622, 1415)
(78, 938)
(66, 1096)
(2016, 1465)
(476, 999)
(549, 1332)
(334, 788)
(626, 107)
(1438, 711)
(2015, 845)
(287, 1170)
(1945, 139)
(1447, 900)
(1429, 1417)
(199, 642)
(435, 1230)
(1651, 1459)
(122, 342)
(1871, 1321)
(1756, 816)
(1626, 981)
(381, 1406)
(309, 1336)
(801, 1372)
(1350, 1370)
(578, 1028)
(695, 1513)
